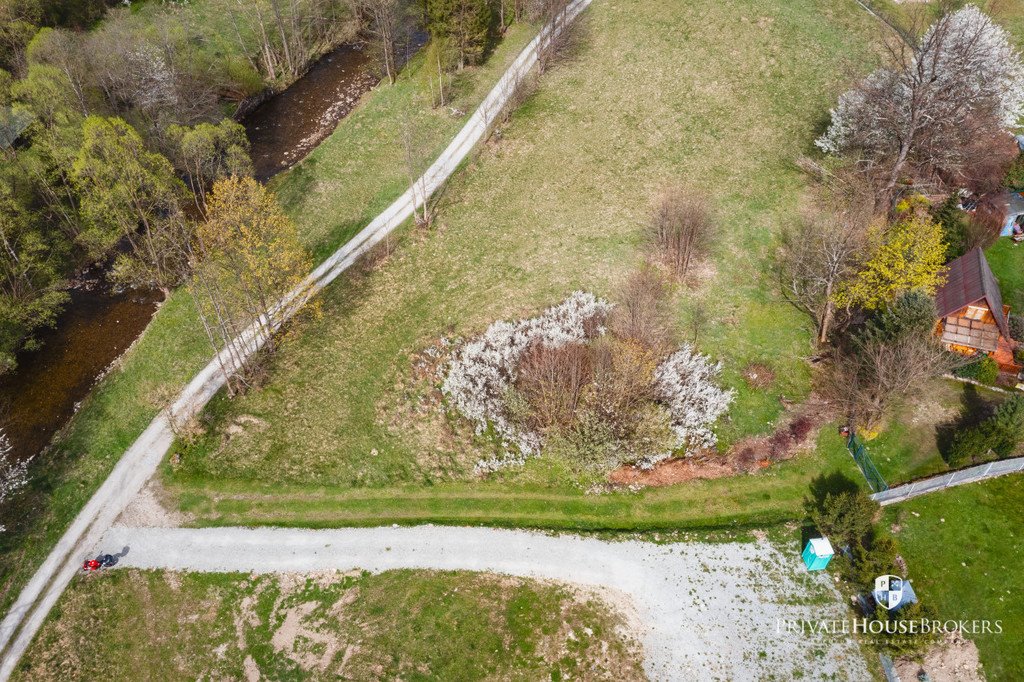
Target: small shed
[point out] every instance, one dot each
(817, 554)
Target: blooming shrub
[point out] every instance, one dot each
(13, 475)
(606, 398)
(480, 376)
(686, 383)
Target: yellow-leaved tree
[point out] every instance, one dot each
(248, 256)
(908, 255)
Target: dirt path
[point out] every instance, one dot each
(140, 461)
(702, 611)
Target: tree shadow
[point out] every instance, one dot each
(974, 409)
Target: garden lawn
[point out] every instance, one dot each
(156, 625)
(719, 95)
(963, 548)
(1007, 262)
(173, 347)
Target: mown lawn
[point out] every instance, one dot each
(963, 548)
(1007, 262)
(154, 625)
(173, 347)
(720, 95)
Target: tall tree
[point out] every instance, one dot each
(247, 257)
(129, 192)
(922, 117)
(466, 23)
(208, 152)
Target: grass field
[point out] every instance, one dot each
(412, 625)
(963, 548)
(173, 347)
(720, 95)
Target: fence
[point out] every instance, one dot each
(936, 483)
(867, 467)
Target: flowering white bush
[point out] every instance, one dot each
(964, 62)
(485, 369)
(685, 395)
(686, 384)
(13, 475)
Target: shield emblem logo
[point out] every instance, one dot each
(888, 591)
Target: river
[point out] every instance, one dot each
(99, 324)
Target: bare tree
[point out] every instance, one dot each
(816, 255)
(556, 35)
(681, 228)
(867, 382)
(918, 119)
(417, 159)
(385, 19)
(641, 313)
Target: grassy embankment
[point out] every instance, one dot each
(963, 548)
(720, 95)
(132, 625)
(364, 158)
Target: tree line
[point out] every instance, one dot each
(115, 122)
(912, 175)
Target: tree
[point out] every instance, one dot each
(209, 152)
(681, 229)
(846, 518)
(867, 381)
(128, 192)
(1001, 433)
(911, 314)
(29, 271)
(922, 116)
(817, 257)
(466, 23)
(385, 22)
(907, 255)
(247, 257)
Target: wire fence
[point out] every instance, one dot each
(867, 467)
(954, 478)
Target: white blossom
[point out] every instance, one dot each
(687, 385)
(483, 371)
(13, 475)
(964, 61)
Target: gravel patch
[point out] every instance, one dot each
(702, 611)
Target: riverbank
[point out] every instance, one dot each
(329, 203)
(98, 323)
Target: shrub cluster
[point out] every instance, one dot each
(593, 387)
(848, 519)
(997, 436)
(984, 370)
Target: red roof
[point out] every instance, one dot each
(969, 281)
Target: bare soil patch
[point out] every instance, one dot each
(954, 659)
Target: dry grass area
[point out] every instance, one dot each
(719, 95)
(158, 625)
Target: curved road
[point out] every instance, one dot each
(702, 611)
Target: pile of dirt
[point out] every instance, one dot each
(954, 659)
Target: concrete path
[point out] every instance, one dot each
(702, 611)
(140, 461)
(933, 484)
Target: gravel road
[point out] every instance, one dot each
(701, 610)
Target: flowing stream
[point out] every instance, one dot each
(99, 324)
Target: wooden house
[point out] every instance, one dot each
(972, 317)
